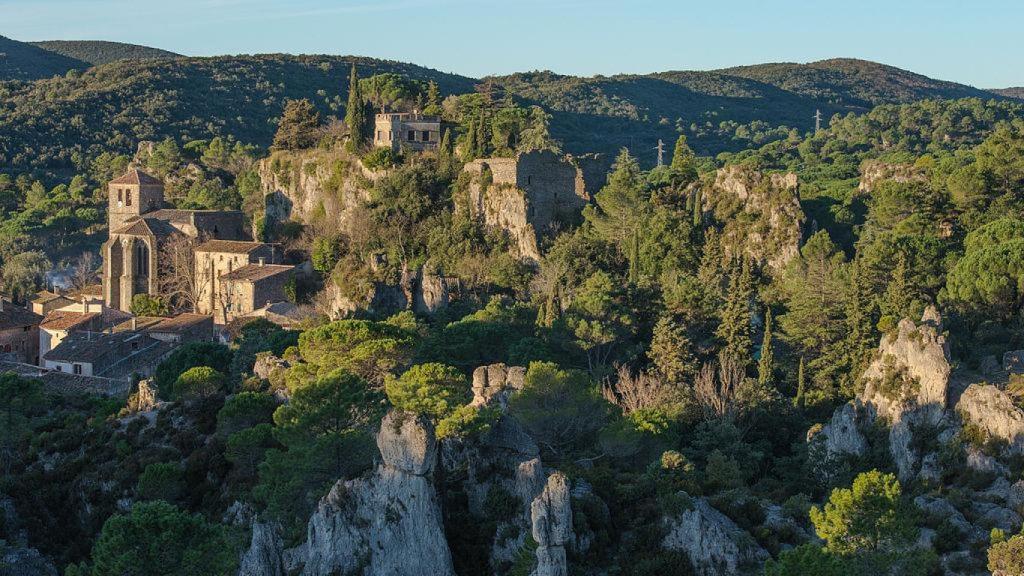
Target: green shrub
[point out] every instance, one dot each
(199, 382)
(161, 481)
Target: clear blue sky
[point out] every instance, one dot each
(974, 42)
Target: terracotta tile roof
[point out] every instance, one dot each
(147, 226)
(180, 322)
(232, 246)
(17, 317)
(64, 383)
(66, 320)
(137, 177)
(92, 290)
(257, 272)
(44, 296)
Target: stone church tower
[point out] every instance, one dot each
(133, 194)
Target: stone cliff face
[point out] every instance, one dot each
(389, 523)
(715, 544)
(907, 387)
(312, 183)
(528, 196)
(421, 291)
(770, 228)
(506, 460)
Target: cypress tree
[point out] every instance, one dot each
(682, 155)
(483, 137)
(698, 212)
(634, 257)
(355, 113)
(766, 365)
(798, 401)
(898, 299)
(860, 309)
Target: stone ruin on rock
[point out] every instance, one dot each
(529, 196)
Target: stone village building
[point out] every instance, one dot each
(140, 228)
(411, 130)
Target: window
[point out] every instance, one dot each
(128, 198)
(380, 134)
(76, 368)
(120, 195)
(425, 135)
(412, 135)
(529, 180)
(59, 368)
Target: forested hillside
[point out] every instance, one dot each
(55, 124)
(96, 52)
(784, 353)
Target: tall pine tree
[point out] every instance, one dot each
(734, 329)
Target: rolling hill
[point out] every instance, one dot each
(97, 52)
(38, 60)
(22, 61)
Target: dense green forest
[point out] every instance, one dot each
(683, 339)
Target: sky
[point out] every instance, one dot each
(973, 42)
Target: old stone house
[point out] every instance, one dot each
(140, 227)
(115, 355)
(44, 301)
(19, 333)
(251, 287)
(413, 130)
(216, 258)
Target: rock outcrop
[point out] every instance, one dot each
(390, 522)
(506, 460)
(771, 227)
(907, 384)
(715, 544)
(551, 515)
(992, 410)
(309, 184)
(421, 291)
(873, 172)
(265, 554)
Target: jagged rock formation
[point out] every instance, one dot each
(264, 556)
(529, 195)
(390, 522)
(991, 409)
(715, 544)
(873, 172)
(551, 513)
(771, 228)
(907, 384)
(506, 459)
(842, 434)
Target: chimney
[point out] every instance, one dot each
(85, 304)
(135, 323)
(261, 260)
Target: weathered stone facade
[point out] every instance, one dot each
(216, 258)
(528, 196)
(414, 131)
(139, 230)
